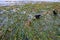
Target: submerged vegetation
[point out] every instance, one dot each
(16, 24)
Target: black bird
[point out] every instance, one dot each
(54, 12)
(37, 16)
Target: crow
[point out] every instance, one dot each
(37, 16)
(54, 12)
